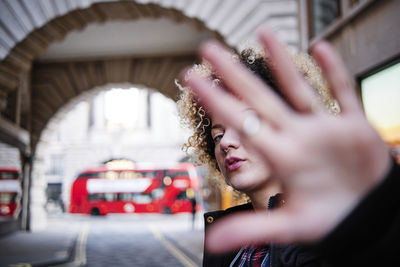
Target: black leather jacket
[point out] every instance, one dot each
(288, 255)
(370, 234)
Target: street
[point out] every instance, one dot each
(113, 240)
(141, 240)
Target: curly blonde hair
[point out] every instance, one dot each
(200, 145)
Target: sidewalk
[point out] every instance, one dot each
(50, 247)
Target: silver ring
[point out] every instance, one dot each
(226, 150)
(251, 124)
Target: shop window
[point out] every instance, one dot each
(380, 93)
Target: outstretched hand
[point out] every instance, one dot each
(325, 163)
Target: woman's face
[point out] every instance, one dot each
(242, 169)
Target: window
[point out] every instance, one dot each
(174, 174)
(157, 193)
(322, 14)
(7, 198)
(380, 93)
(98, 197)
(56, 165)
(142, 198)
(181, 195)
(92, 175)
(53, 191)
(354, 2)
(8, 175)
(125, 196)
(103, 197)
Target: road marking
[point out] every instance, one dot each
(176, 252)
(80, 249)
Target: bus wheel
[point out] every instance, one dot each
(167, 210)
(95, 212)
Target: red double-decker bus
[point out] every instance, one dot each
(125, 187)
(10, 190)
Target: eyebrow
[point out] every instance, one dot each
(216, 126)
(221, 126)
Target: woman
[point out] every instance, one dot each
(216, 144)
(340, 185)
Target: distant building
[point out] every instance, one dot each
(90, 134)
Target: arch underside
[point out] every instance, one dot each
(55, 84)
(29, 27)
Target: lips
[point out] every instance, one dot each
(233, 163)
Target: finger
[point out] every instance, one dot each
(290, 81)
(337, 77)
(244, 84)
(227, 108)
(236, 231)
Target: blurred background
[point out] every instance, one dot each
(91, 166)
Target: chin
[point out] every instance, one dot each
(244, 184)
(241, 185)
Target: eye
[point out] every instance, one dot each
(217, 137)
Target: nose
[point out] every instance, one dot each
(230, 140)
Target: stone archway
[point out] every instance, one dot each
(30, 27)
(29, 32)
(32, 92)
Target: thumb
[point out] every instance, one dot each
(247, 228)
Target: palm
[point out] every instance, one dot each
(319, 158)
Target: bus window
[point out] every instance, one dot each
(10, 189)
(174, 174)
(96, 197)
(110, 197)
(125, 196)
(181, 195)
(142, 198)
(7, 198)
(157, 193)
(103, 197)
(92, 175)
(8, 175)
